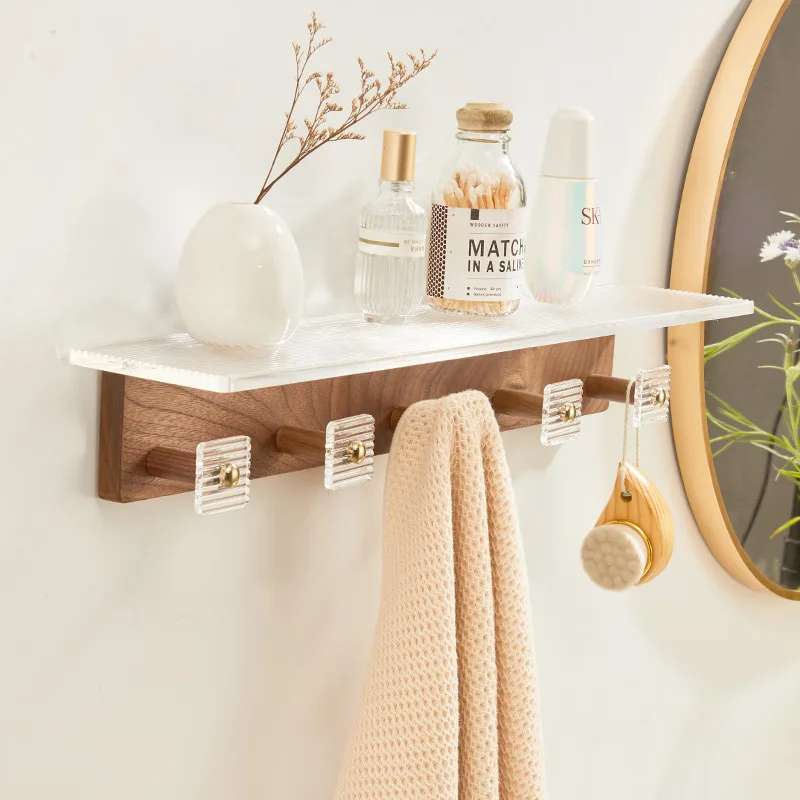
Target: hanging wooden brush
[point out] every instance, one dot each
(633, 538)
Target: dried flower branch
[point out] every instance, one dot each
(374, 95)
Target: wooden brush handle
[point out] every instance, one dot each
(644, 507)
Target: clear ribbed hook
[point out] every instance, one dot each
(222, 475)
(349, 451)
(219, 470)
(651, 395)
(562, 410)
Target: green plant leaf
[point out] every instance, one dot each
(792, 474)
(718, 348)
(793, 218)
(729, 411)
(781, 306)
(783, 527)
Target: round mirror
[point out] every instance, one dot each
(736, 385)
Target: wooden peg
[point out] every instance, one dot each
(181, 467)
(604, 387)
(301, 442)
(504, 401)
(558, 409)
(304, 442)
(173, 465)
(517, 404)
(346, 447)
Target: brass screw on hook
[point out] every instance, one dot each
(356, 452)
(228, 475)
(660, 397)
(568, 412)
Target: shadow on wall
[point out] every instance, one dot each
(129, 288)
(300, 630)
(757, 732)
(327, 242)
(648, 232)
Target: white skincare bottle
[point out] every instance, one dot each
(563, 253)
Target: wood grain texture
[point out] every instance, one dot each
(648, 510)
(607, 388)
(109, 459)
(301, 442)
(173, 465)
(690, 263)
(516, 403)
(140, 415)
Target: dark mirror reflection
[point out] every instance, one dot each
(752, 373)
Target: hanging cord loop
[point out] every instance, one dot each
(623, 469)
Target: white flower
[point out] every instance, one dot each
(777, 245)
(792, 256)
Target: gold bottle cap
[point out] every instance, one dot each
(399, 154)
(490, 117)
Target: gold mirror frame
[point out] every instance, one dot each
(690, 261)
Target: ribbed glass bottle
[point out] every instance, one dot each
(390, 266)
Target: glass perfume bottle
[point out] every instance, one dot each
(390, 266)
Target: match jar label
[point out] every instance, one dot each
(476, 254)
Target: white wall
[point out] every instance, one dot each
(146, 652)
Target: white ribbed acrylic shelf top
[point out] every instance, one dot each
(326, 347)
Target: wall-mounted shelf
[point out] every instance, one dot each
(162, 397)
(327, 347)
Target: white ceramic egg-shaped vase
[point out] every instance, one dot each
(240, 280)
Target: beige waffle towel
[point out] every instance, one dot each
(449, 709)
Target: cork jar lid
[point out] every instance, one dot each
(494, 117)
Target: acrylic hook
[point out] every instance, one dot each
(650, 393)
(219, 471)
(559, 409)
(348, 446)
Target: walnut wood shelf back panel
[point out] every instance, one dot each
(137, 415)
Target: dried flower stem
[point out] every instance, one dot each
(373, 96)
